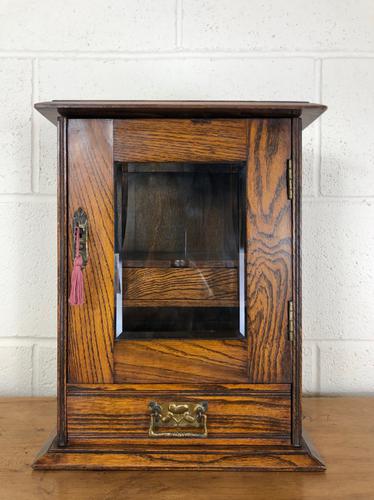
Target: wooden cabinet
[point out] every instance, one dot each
(186, 353)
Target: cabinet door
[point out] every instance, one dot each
(189, 270)
(90, 334)
(180, 251)
(269, 251)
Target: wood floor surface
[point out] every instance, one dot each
(342, 429)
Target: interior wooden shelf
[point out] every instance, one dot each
(203, 335)
(181, 303)
(191, 264)
(168, 261)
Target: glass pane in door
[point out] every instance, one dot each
(179, 250)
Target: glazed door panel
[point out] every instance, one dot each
(179, 250)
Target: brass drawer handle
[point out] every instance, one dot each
(174, 419)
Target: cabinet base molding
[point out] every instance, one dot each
(255, 458)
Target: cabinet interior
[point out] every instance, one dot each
(179, 250)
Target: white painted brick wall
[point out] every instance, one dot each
(15, 124)
(193, 49)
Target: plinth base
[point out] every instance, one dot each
(254, 458)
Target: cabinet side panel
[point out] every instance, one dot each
(91, 186)
(62, 250)
(269, 251)
(297, 291)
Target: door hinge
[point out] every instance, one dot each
(291, 321)
(290, 179)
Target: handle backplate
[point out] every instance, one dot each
(177, 419)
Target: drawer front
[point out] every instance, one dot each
(147, 287)
(234, 414)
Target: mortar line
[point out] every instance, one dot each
(319, 138)
(187, 53)
(35, 167)
(179, 25)
(316, 367)
(317, 134)
(33, 351)
(344, 198)
(27, 197)
(337, 340)
(318, 363)
(18, 340)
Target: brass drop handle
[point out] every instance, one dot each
(176, 419)
(80, 257)
(80, 223)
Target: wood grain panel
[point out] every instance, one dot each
(90, 173)
(199, 287)
(180, 140)
(269, 251)
(180, 361)
(116, 416)
(62, 307)
(297, 344)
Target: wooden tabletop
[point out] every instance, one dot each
(341, 428)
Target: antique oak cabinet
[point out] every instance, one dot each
(179, 342)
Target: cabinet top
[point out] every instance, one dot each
(307, 111)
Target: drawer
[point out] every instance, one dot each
(238, 414)
(147, 287)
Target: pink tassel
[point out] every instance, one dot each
(76, 297)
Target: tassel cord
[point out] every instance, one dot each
(77, 289)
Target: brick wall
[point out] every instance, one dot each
(319, 51)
